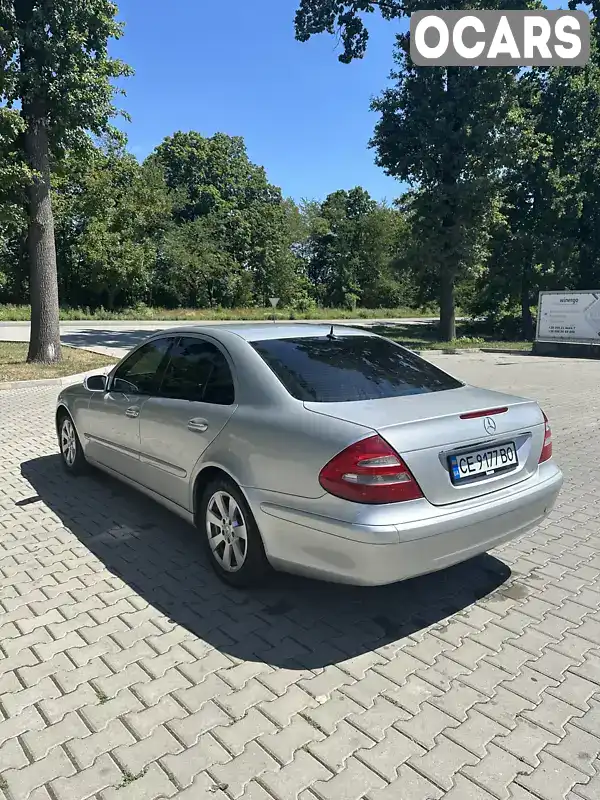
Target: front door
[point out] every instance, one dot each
(111, 423)
(195, 401)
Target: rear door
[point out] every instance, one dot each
(195, 401)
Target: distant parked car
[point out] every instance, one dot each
(329, 452)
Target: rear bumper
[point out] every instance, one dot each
(349, 553)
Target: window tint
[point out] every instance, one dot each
(198, 371)
(141, 372)
(219, 389)
(349, 368)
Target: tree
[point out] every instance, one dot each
(14, 173)
(225, 204)
(54, 62)
(548, 236)
(269, 252)
(110, 212)
(345, 18)
(14, 179)
(527, 237)
(571, 111)
(336, 265)
(211, 173)
(198, 270)
(441, 130)
(444, 131)
(351, 250)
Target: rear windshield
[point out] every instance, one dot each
(322, 370)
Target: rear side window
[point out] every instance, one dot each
(322, 370)
(199, 372)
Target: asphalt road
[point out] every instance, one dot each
(117, 338)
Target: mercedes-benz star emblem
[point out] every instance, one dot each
(489, 425)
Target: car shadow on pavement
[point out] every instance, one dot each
(292, 622)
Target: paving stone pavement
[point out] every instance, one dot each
(128, 672)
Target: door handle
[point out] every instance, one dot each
(198, 425)
(133, 412)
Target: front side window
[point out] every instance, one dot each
(141, 373)
(198, 371)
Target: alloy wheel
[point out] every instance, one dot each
(227, 532)
(68, 442)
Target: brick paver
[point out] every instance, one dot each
(128, 672)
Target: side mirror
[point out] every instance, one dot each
(96, 383)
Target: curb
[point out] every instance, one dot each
(107, 352)
(66, 380)
(458, 352)
(507, 351)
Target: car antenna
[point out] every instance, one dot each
(331, 335)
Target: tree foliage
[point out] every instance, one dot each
(548, 231)
(347, 19)
(352, 247)
(14, 172)
(200, 226)
(109, 214)
(502, 169)
(54, 64)
(444, 131)
(219, 195)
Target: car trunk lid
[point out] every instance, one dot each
(428, 429)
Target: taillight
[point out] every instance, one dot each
(547, 448)
(369, 471)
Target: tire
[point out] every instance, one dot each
(71, 451)
(236, 551)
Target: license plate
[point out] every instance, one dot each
(483, 462)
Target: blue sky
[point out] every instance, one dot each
(235, 67)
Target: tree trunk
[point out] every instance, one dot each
(44, 345)
(450, 174)
(588, 272)
(110, 298)
(447, 309)
(526, 318)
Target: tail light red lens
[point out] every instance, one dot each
(547, 448)
(369, 471)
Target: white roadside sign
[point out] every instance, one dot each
(569, 317)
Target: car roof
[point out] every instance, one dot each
(254, 332)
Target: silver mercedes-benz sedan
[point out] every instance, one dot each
(329, 452)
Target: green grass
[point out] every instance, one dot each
(9, 313)
(425, 337)
(13, 366)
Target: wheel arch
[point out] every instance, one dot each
(61, 412)
(207, 474)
